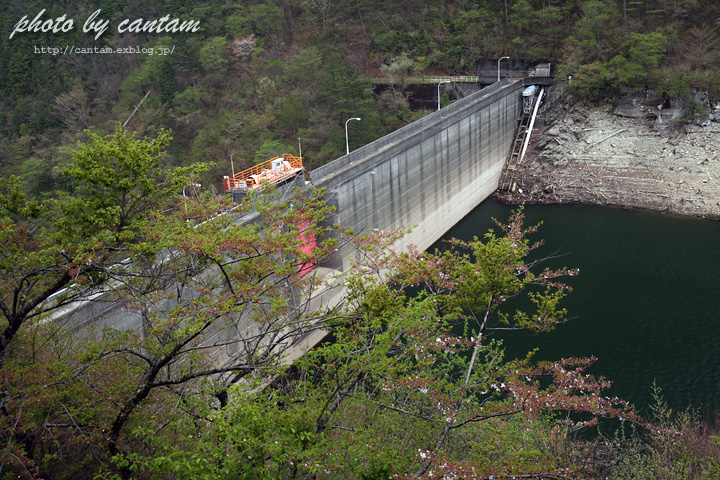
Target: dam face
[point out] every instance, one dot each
(427, 175)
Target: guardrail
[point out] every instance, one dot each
(431, 79)
(459, 79)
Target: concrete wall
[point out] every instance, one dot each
(429, 174)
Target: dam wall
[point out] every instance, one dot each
(427, 175)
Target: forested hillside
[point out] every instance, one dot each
(259, 76)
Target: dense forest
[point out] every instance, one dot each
(260, 78)
(412, 382)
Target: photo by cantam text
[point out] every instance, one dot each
(97, 25)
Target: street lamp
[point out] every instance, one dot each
(501, 58)
(444, 81)
(347, 143)
(194, 185)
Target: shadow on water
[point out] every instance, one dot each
(646, 303)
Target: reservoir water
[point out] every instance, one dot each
(646, 302)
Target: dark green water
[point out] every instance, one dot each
(646, 303)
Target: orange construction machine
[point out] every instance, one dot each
(276, 170)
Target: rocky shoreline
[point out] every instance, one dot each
(632, 156)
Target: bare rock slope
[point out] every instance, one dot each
(602, 157)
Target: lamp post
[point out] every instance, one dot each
(347, 142)
(501, 58)
(194, 185)
(444, 81)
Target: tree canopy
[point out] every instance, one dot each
(187, 374)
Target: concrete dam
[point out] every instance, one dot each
(427, 175)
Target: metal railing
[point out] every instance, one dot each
(460, 79)
(252, 177)
(431, 79)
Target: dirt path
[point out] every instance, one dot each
(595, 156)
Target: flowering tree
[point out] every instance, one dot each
(61, 251)
(74, 240)
(215, 290)
(412, 385)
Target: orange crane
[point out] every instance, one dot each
(275, 170)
